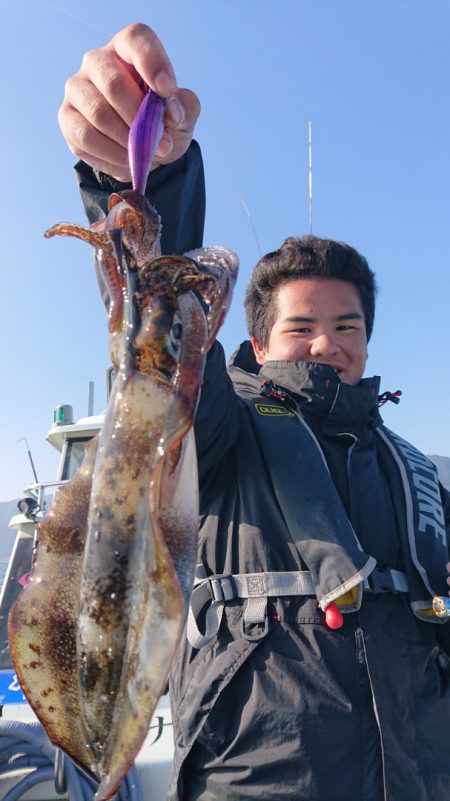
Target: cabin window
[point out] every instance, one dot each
(74, 456)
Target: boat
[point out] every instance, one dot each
(17, 720)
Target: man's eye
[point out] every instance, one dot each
(301, 331)
(346, 327)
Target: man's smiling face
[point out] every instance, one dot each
(318, 320)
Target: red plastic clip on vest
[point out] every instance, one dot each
(333, 617)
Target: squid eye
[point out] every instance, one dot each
(176, 331)
(174, 339)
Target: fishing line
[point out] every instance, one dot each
(75, 16)
(247, 211)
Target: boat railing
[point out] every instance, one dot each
(38, 490)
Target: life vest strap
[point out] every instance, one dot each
(386, 580)
(210, 594)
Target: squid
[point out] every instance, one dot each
(94, 632)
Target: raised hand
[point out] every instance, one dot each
(102, 99)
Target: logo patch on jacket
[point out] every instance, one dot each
(271, 410)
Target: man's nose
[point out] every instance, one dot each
(323, 345)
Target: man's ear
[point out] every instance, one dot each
(259, 351)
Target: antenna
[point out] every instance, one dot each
(22, 439)
(91, 399)
(310, 173)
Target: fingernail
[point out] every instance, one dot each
(176, 110)
(164, 83)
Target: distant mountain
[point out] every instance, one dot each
(443, 467)
(7, 535)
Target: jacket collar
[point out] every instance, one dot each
(315, 388)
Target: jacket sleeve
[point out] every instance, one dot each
(218, 413)
(176, 190)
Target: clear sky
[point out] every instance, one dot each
(371, 75)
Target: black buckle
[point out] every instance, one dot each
(380, 580)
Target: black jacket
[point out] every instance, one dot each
(306, 712)
(303, 712)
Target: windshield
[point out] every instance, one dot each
(74, 456)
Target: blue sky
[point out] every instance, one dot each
(372, 77)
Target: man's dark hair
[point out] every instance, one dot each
(305, 257)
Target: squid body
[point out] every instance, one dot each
(93, 633)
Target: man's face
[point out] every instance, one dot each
(318, 320)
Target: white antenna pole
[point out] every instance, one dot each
(310, 173)
(91, 399)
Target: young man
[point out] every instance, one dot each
(306, 501)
